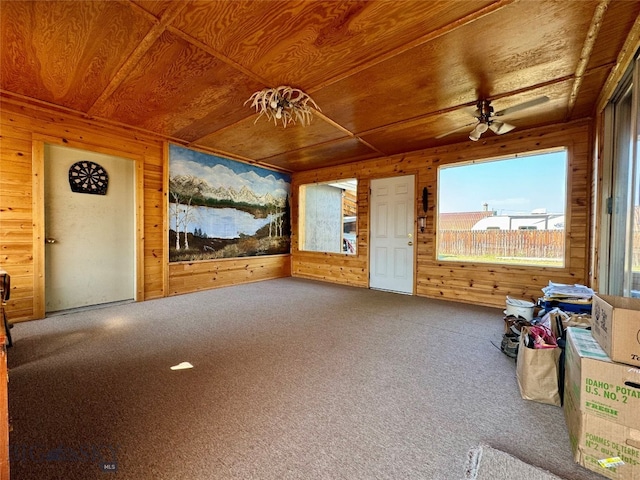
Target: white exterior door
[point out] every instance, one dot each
(392, 231)
(90, 249)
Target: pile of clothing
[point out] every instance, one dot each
(554, 319)
(513, 325)
(546, 330)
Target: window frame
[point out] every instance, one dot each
(347, 184)
(563, 258)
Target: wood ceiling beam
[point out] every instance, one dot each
(202, 46)
(417, 120)
(346, 131)
(624, 59)
(99, 122)
(325, 143)
(316, 113)
(461, 22)
(585, 54)
(160, 25)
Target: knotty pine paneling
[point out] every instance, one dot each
(187, 277)
(20, 124)
(332, 267)
(485, 284)
(336, 268)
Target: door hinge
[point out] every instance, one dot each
(610, 205)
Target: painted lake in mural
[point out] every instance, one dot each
(226, 223)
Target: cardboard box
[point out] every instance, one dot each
(616, 327)
(594, 440)
(599, 386)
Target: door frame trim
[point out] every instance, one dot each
(414, 288)
(38, 205)
(606, 191)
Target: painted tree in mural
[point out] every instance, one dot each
(276, 221)
(183, 189)
(280, 224)
(174, 207)
(272, 223)
(187, 217)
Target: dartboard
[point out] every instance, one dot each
(88, 177)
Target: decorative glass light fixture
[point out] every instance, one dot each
(481, 127)
(285, 104)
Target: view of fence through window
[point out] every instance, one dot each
(507, 210)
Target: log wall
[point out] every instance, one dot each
(485, 284)
(24, 128)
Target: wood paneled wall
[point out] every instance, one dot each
(477, 283)
(191, 277)
(23, 126)
(484, 284)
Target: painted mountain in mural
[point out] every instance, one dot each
(191, 187)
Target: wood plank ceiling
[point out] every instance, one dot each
(389, 76)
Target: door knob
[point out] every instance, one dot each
(49, 240)
(410, 243)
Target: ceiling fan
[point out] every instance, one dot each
(485, 118)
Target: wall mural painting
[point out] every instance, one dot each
(220, 208)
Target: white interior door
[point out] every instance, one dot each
(90, 249)
(392, 230)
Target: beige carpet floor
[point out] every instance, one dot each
(291, 379)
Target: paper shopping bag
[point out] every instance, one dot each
(537, 372)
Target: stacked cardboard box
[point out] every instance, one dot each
(616, 327)
(602, 406)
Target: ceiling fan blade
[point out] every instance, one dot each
(522, 106)
(455, 130)
(500, 128)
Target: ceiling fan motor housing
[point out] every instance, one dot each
(484, 111)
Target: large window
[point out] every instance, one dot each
(507, 210)
(327, 217)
